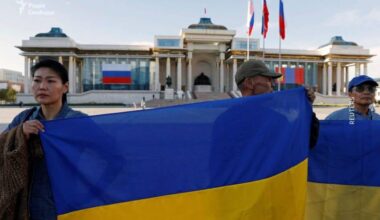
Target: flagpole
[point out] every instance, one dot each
(250, 22)
(263, 48)
(281, 37)
(279, 65)
(248, 46)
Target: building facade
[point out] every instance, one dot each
(11, 79)
(203, 52)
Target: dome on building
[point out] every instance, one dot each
(338, 40)
(54, 32)
(206, 23)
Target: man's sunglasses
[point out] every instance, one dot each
(369, 88)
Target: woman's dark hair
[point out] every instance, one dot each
(58, 68)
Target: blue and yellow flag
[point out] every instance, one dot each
(242, 158)
(344, 172)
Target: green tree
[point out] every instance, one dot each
(8, 95)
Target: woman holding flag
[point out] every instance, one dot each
(49, 87)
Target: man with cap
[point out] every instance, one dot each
(254, 78)
(361, 90)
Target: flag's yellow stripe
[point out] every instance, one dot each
(342, 202)
(282, 196)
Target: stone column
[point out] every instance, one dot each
(179, 75)
(234, 69)
(157, 75)
(221, 75)
(338, 78)
(27, 75)
(315, 76)
(357, 69)
(71, 75)
(329, 79)
(347, 79)
(324, 79)
(35, 60)
(344, 79)
(189, 72)
(75, 77)
(60, 60)
(167, 66)
(365, 71)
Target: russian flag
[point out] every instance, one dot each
(116, 74)
(282, 20)
(250, 17)
(265, 19)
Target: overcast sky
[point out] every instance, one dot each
(310, 23)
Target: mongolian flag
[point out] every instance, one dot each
(265, 19)
(116, 74)
(242, 158)
(282, 20)
(344, 174)
(250, 17)
(292, 75)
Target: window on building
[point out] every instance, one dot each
(168, 42)
(242, 45)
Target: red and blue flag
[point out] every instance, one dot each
(265, 19)
(116, 74)
(250, 17)
(282, 20)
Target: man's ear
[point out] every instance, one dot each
(351, 95)
(247, 83)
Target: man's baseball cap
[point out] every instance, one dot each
(358, 80)
(253, 68)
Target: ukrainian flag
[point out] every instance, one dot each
(344, 172)
(242, 158)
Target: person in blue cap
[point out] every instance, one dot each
(361, 90)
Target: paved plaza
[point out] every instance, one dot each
(8, 113)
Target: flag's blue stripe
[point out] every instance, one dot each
(252, 21)
(107, 73)
(282, 10)
(347, 154)
(127, 156)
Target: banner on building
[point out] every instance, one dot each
(116, 74)
(292, 75)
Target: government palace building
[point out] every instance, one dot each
(202, 60)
